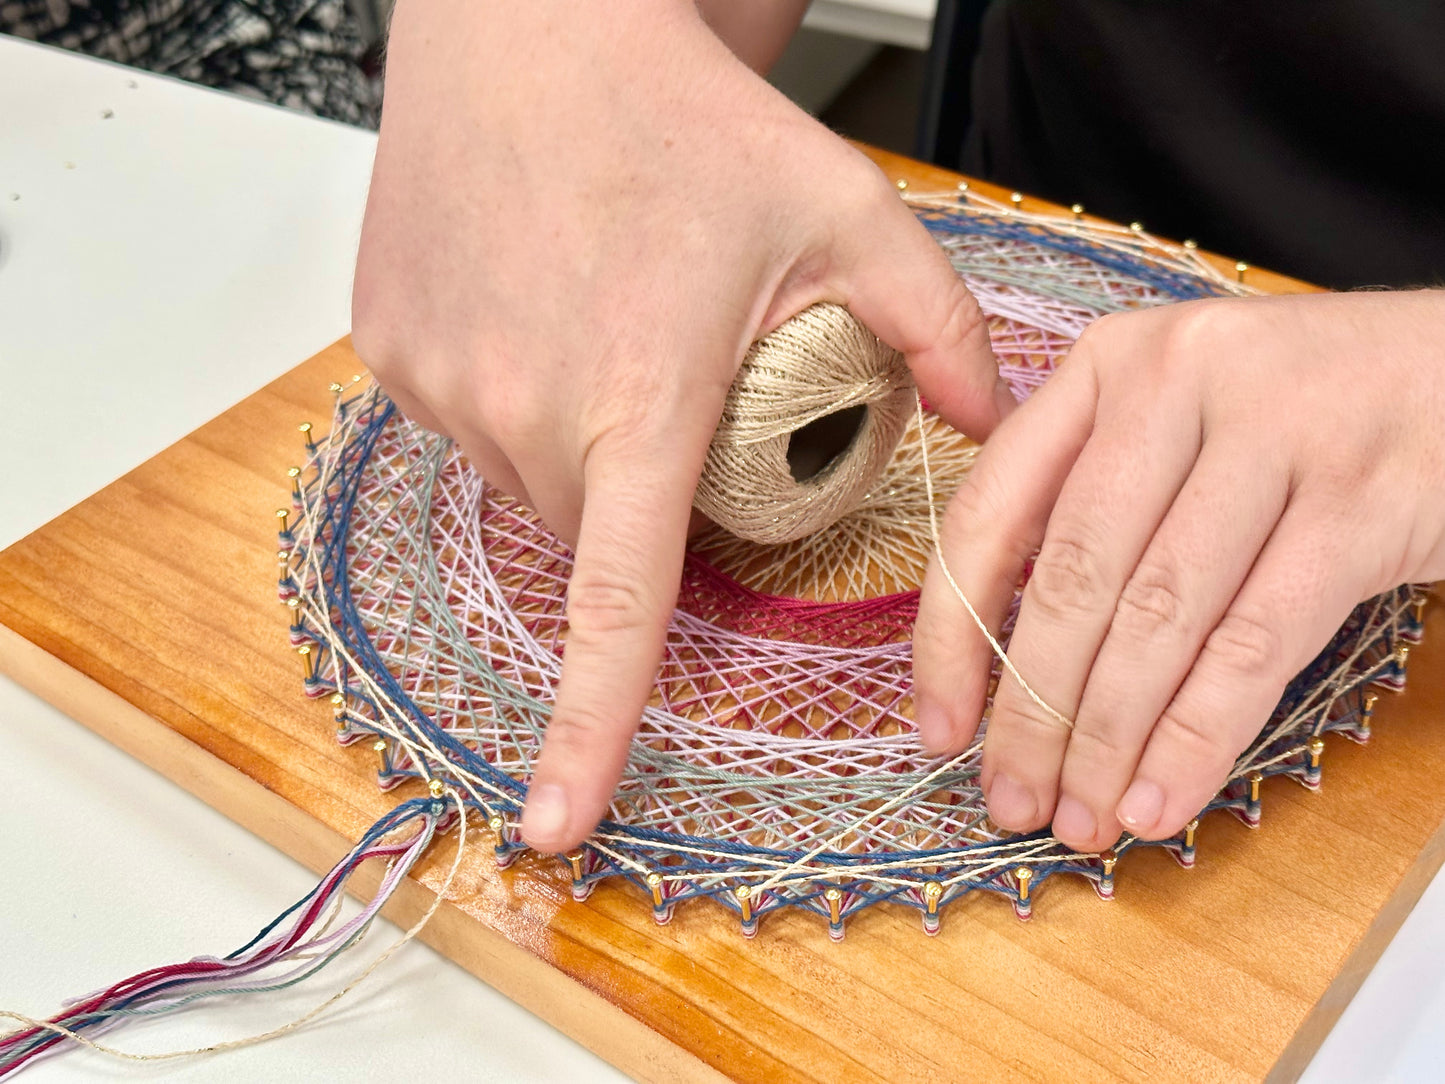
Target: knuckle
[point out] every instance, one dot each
(1244, 642)
(1099, 742)
(1151, 603)
(579, 729)
(1023, 719)
(603, 602)
(1192, 734)
(1200, 330)
(1068, 579)
(971, 510)
(974, 512)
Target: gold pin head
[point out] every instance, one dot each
(1016, 198)
(334, 388)
(283, 516)
(744, 895)
(901, 184)
(1402, 654)
(963, 186)
(1025, 877)
(308, 662)
(932, 893)
(1109, 858)
(338, 706)
(1136, 227)
(654, 882)
(1239, 270)
(1078, 210)
(378, 746)
(1191, 244)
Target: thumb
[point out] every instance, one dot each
(897, 280)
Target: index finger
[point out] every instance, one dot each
(636, 508)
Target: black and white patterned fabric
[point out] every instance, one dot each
(303, 54)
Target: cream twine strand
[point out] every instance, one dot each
(1058, 717)
(923, 784)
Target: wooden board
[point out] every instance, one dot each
(149, 613)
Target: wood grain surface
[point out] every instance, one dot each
(149, 613)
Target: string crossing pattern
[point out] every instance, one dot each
(776, 764)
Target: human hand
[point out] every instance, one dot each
(1210, 488)
(580, 218)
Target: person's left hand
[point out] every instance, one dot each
(1210, 489)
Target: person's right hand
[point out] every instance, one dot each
(580, 218)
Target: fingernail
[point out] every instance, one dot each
(544, 820)
(935, 729)
(1003, 398)
(1011, 804)
(1073, 820)
(1140, 808)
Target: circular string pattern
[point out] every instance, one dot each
(776, 764)
(809, 425)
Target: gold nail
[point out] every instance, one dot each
(1316, 748)
(835, 900)
(744, 896)
(308, 664)
(1255, 779)
(654, 882)
(284, 515)
(1239, 269)
(1023, 875)
(932, 893)
(1078, 210)
(901, 184)
(436, 787)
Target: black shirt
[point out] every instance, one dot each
(1307, 136)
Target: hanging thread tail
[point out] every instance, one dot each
(289, 950)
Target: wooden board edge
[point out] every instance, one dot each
(585, 1016)
(1310, 1035)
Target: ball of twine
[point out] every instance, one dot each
(809, 425)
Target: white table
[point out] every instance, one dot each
(158, 265)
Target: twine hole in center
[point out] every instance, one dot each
(815, 447)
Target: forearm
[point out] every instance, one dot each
(757, 31)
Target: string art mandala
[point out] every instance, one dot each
(776, 764)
